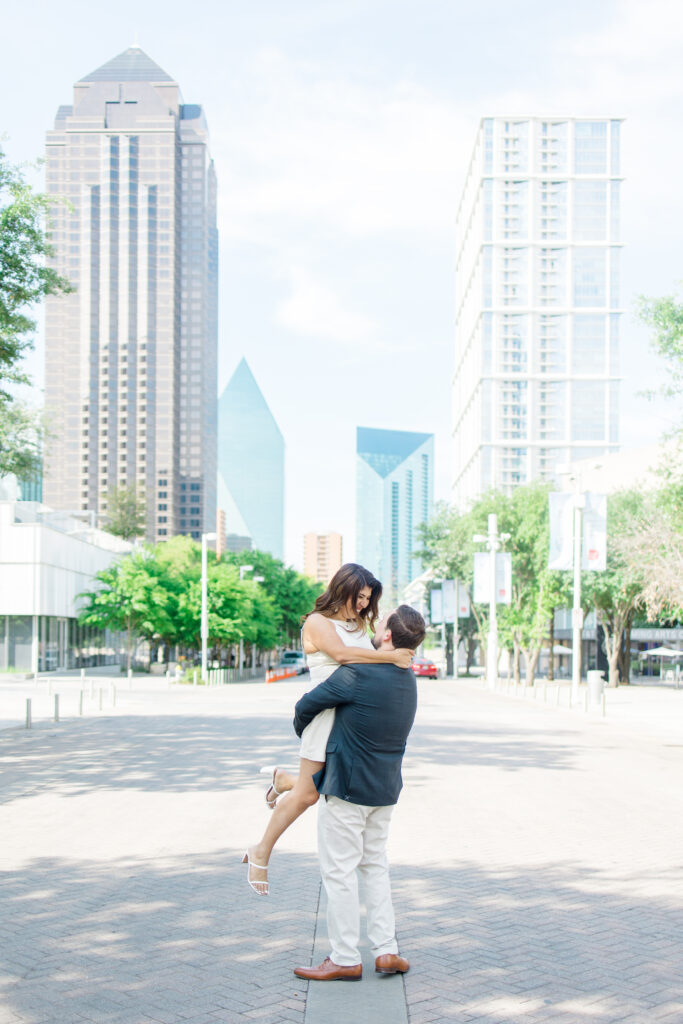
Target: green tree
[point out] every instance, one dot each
(21, 439)
(126, 512)
(652, 550)
(617, 592)
(131, 595)
(292, 594)
(154, 594)
(25, 279)
(523, 625)
(664, 316)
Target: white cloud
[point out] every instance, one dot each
(346, 155)
(313, 309)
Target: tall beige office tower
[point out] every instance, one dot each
(538, 309)
(130, 375)
(322, 555)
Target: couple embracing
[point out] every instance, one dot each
(353, 727)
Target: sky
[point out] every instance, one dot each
(341, 131)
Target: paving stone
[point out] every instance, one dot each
(535, 853)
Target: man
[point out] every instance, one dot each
(360, 783)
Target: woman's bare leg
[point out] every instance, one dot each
(302, 796)
(283, 781)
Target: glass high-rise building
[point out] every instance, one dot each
(394, 495)
(251, 466)
(131, 355)
(538, 306)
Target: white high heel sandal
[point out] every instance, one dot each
(272, 770)
(250, 864)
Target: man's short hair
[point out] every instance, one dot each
(407, 627)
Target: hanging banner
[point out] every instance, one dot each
(503, 577)
(449, 600)
(436, 607)
(480, 590)
(464, 610)
(561, 555)
(482, 579)
(594, 539)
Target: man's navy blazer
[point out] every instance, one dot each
(375, 712)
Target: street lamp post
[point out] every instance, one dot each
(577, 611)
(204, 630)
(244, 569)
(256, 579)
(492, 540)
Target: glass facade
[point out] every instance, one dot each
(61, 643)
(538, 293)
(251, 465)
(394, 496)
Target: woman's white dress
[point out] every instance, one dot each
(316, 734)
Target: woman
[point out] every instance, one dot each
(335, 633)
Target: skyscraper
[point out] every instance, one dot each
(322, 555)
(394, 495)
(251, 466)
(130, 375)
(538, 317)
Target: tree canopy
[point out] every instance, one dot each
(25, 279)
(154, 593)
(644, 566)
(126, 511)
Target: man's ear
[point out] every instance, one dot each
(387, 635)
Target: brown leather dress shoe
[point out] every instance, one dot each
(391, 963)
(328, 971)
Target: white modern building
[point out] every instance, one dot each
(538, 309)
(131, 354)
(47, 559)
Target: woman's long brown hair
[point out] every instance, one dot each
(345, 586)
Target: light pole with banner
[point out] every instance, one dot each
(204, 631)
(578, 540)
(488, 567)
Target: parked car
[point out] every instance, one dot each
(425, 667)
(294, 659)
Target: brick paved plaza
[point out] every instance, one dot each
(537, 863)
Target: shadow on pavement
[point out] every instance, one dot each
(549, 944)
(205, 752)
(164, 753)
(128, 941)
(498, 747)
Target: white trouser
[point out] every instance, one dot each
(353, 838)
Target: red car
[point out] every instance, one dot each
(424, 667)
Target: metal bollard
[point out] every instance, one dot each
(130, 678)
(82, 673)
(56, 707)
(113, 695)
(194, 678)
(100, 698)
(557, 696)
(28, 713)
(92, 688)
(80, 703)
